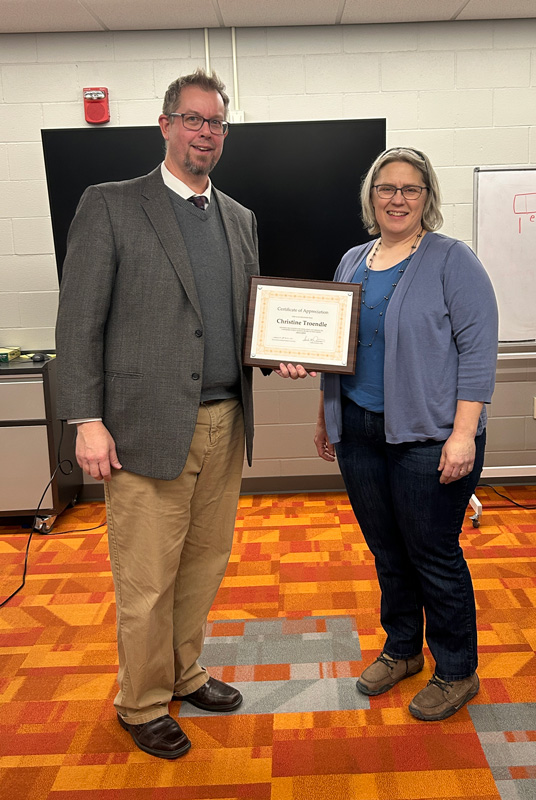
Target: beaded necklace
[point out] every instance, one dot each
(385, 299)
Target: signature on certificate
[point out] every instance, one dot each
(313, 339)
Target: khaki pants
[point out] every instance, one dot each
(170, 542)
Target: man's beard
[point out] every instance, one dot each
(200, 169)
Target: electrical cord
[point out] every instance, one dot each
(66, 460)
(59, 466)
(510, 499)
(23, 583)
(73, 530)
(70, 463)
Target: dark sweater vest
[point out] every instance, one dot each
(207, 247)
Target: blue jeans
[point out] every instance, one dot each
(412, 524)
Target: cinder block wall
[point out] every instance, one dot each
(465, 92)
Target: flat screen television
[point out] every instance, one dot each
(301, 179)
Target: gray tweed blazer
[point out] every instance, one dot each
(126, 343)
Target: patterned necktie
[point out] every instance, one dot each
(198, 200)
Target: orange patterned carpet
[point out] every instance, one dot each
(301, 585)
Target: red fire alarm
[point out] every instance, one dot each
(96, 105)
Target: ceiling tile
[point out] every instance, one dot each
(369, 11)
(498, 9)
(24, 16)
(248, 13)
(154, 14)
(33, 16)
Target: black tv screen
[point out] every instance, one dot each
(301, 179)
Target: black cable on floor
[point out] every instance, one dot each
(67, 471)
(510, 499)
(23, 583)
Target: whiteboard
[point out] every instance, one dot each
(504, 238)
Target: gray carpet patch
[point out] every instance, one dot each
(305, 644)
(503, 756)
(280, 641)
(504, 717)
(294, 696)
(517, 790)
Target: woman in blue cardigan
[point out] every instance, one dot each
(408, 428)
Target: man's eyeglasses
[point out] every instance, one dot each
(193, 122)
(386, 191)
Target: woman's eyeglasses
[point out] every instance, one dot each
(386, 191)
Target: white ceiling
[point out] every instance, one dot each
(31, 16)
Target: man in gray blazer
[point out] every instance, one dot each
(149, 341)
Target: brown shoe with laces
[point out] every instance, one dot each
(386, 671)
(441, 699)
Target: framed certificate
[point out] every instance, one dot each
(312, 323)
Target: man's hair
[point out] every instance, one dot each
(200, 78)
(432, 218)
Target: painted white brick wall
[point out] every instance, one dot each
(465, 92)
(34, 83)
(28, 273)
(418, 71)
(20, 122)
(458, 107)
(399, 115)
(6, 238)
(23, 199)
(461, 36)
(307, 106)
(380, 38)
(514, 34)
(18, 48)
(4, 169)
(493, 69)
(532, 145)
(9, 309)
(25, 161)
(491, 145)
(514, 106)
(74, 48)
(32, 235)
(154, 45)
(38, 307)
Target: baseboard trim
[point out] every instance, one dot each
(290, 484)
(269, 485)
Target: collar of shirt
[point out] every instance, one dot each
(180, 188)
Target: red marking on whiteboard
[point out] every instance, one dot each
(519, 225)
(525, 203)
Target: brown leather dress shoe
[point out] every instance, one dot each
(161, 737)
(214, 695)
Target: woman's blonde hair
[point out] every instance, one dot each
(432, 218)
